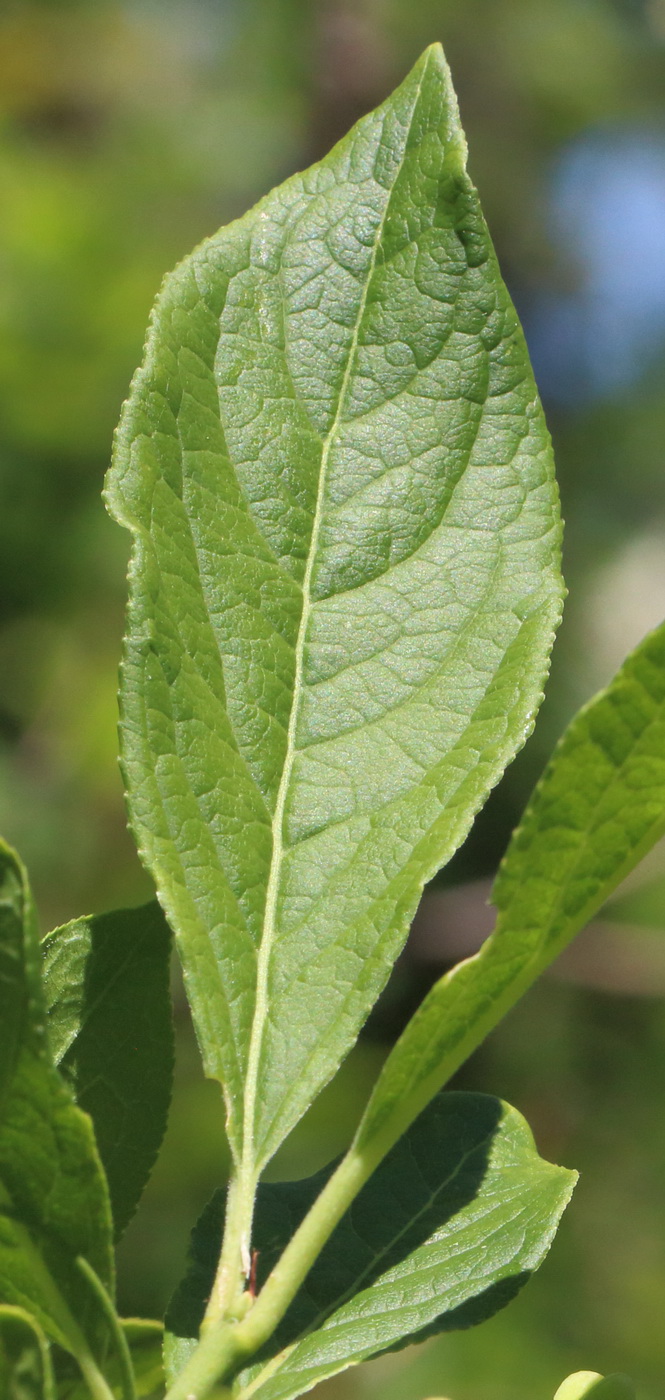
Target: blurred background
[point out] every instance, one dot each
(128, 132)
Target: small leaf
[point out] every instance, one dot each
(106, 982)
(53, 1199)
(25, 1363)
(344, 587)
(599, 807)
(445, 1232)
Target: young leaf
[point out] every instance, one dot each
(106, 982)
(343, 590)
(445, 1232)
(53, 1199)
(597, 810)
(26, 1372)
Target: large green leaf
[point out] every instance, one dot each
(54, 1203)
(597, 810)
(343, 589)
(106, 982)
(445, 1232)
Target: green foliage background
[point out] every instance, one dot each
(128, 131)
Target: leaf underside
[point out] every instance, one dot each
(343, 590)
(106, 984)
(449, 1227)
(598, 809)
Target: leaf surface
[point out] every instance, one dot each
(106, 982)
(599, 807)
(344, 586)
(54, 1203)
(445, 1232)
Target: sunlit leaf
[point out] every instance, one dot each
(598, 809)
(343, 589)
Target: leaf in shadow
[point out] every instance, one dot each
(106, 981)
(447, 1229)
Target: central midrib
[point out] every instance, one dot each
(248, 1168)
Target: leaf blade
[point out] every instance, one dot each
(53, 1199)
(598, 808)
(328, 651)
(106, 984)
(444, 1233)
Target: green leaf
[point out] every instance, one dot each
(25, 1363)
(15, 908)
(53, 1199)
(106, 982)
(344, 588)
(445, 1232)
(599, 807)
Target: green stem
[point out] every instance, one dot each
(14, 1313)
(98, 1387)
(126, 1368)
(216, 1354)
(228, 1291)
(224, 1348)
(304, 1248)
